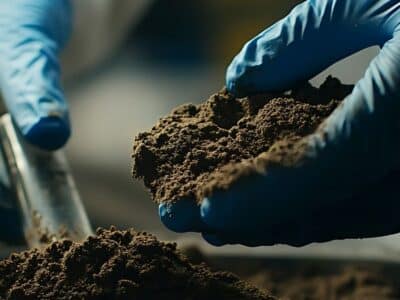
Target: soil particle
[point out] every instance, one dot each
(199, 148)
(115, 265)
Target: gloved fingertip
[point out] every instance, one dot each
(181, 216)
(213, 239)
(232, 85)
(49, 133)
(209, 212)
(213, 210)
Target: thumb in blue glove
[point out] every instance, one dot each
(337, 190)
(32, 33)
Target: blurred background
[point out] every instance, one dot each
(171, 52)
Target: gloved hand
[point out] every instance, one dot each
(346, 185)
(32, 33)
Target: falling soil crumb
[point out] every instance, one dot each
(41, 233)
(199, 148)
(116, 265)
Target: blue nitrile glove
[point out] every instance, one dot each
(32, 33)
(347, 184)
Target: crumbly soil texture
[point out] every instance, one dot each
(115, 265)
(199, 148)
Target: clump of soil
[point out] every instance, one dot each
(115, 265)
(198, 148)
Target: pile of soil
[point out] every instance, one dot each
(116, 265)
(199, 148)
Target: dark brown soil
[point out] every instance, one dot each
(349, 283)
(115, 265)
(199, 148)
(297, 279)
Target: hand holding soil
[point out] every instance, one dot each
(350, 161)
(266, 173)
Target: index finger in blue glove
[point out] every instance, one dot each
(182, 216)
(32, 34)
(312, 37)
